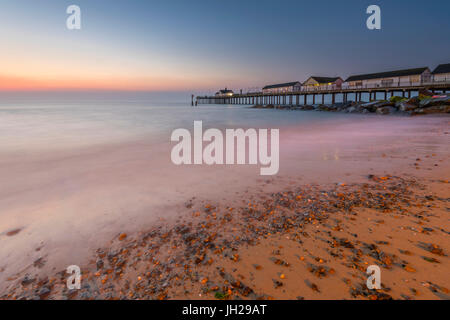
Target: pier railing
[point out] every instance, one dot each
(342, 93)
(345, 86)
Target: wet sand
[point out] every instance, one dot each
(58, 209)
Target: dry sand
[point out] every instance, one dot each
(58, 208)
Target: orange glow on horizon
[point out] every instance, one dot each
(17, 83)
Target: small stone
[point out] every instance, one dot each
(99, 264)
(27, 280)
(122, 236)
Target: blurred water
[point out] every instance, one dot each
(48, 122)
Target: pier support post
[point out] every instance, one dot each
(305, 99)
(323, 98)
(333, 98)
(314, 98)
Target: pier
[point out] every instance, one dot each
(317, 95)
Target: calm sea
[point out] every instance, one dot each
(67, 120)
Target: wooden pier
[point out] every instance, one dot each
(318, 95)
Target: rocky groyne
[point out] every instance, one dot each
(425, 103)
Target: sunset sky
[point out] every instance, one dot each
(203, 45)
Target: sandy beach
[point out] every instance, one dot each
(351, 192)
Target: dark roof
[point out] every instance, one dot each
(442, 68)
(324, 79)
(397, 73)
(280, 85)
(226, 91)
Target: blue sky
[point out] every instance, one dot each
(203, 45)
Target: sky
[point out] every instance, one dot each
(201, 46)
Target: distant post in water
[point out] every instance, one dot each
(192, 100)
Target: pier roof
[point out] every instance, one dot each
(397, 73)
(442, 68)
(281, 85)
(325, 79)
(225, 91)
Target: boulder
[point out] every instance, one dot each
(339, 106)
(373, 106)
(351, 109)
(406, 106)
(325, 107)
(334, 107)
(414, 101)
(435, 101)
(385, 110)
(397, 99)
(430, 110)
(355, 109)
(345, 105)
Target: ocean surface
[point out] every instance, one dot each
(46, 122)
